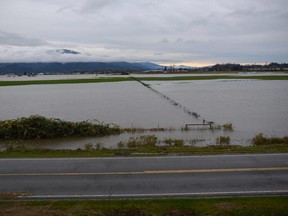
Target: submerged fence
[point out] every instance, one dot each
(170, 100)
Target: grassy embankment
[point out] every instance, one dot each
(121, 79)
(253, 206)
(64, 81)
(106, 152)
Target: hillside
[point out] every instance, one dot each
(71, 67)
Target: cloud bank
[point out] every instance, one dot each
(195, 32)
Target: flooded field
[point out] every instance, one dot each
(251, 106)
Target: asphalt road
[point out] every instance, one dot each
(188, 176)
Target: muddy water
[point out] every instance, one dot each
(126, 104)
(252, 107)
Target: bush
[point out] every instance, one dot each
(174, 142)
(99, 146)
(222, 140)
(88, 147)
(227, 127)
(133, 142)
(149, 140)
(121, 145)
(168, 142)
(144, 141)
(39, 127)
(259, 139)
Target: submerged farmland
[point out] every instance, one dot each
(252, 106)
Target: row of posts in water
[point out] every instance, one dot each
(170, 100)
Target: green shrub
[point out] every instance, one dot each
(259, 139)
(133, 142)
(227, 127)
(39, 127)
(222, 140)
(168, 142)
(88, 147)
(142, 141)
(121, 145)
(149, 140)
(174, 142)
(99, 146)
(179, 143)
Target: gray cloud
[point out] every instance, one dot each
(181, 31)
(13, 39)
(90, 6)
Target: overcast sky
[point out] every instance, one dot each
(195, 32)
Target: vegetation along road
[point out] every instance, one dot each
(121, 177)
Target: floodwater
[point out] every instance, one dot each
(252, 106)
(127, 104)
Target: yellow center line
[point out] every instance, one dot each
(150, 172)
(218, 170)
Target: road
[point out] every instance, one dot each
(129, 177)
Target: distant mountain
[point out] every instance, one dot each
(14, 69)
(64, 51)
(70, 67)
(150, 66)
(184, 67)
